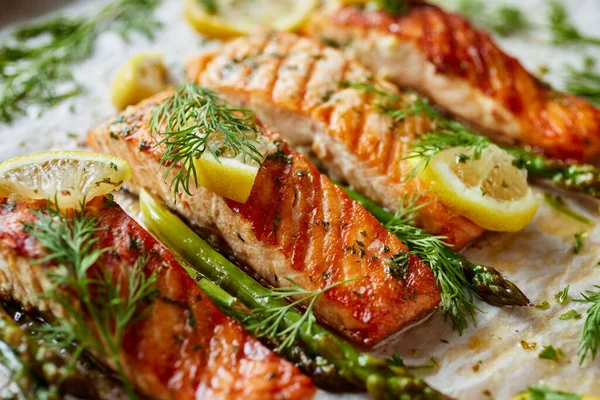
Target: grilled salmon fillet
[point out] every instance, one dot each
(293, 85)
(459, 67)
(295, 225)
(184, 347)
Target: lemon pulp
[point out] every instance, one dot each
(69, 177)
(227, 18)
(490, 190)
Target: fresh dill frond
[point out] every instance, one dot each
(590, 333)
(35, 63)
(194, 120)
(105, 304)
(503, 20)
(559, 204)
(268, 321)
(457, 295)
(584, 82)
(562, 28)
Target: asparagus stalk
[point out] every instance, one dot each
(323, 373)
(489, 284)
(583, 178)
(365, 371)
(48, 372)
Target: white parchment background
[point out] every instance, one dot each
(485, 362)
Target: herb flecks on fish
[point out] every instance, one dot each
(109, 303)
(459, 280)
(35, 63)
(195, 120)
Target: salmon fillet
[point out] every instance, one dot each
(293, 85)
(296, 225)
(185, 347)
(444, 57)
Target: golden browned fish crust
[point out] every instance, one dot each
(185, 347)
(443, 56)
(296, 225)
(294, 86)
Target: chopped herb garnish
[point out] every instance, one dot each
(579, 237)
(544, 305)
(551, 353)
(571, 314)
(528, 345)
(562, 297)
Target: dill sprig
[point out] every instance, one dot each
(503, 20)
(456, 292)
(584, 82)
(590, 333)
(35, 63)
(193, 120)
(268, 321)
(542, 392)
(105, 304)
(563, 30)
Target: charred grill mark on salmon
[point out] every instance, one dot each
(443, 56)
(344, 126)
(296, 224)
(184, 347)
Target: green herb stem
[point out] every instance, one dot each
(35, 64)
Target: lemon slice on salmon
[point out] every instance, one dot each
(227, 18)
(141, 76)
(489, 190)
(70, 177)
(227, 177)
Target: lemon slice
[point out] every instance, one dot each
(227, 18)
(69, 176)
(490, 191)
(141, 76)
(227, 177)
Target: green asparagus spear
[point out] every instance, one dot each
(584, 178)
(486, 282)
(49, 370)
(370, 373)
(322, 372)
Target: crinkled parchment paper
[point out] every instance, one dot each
(488, 361)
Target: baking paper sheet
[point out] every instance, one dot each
(485, 362)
